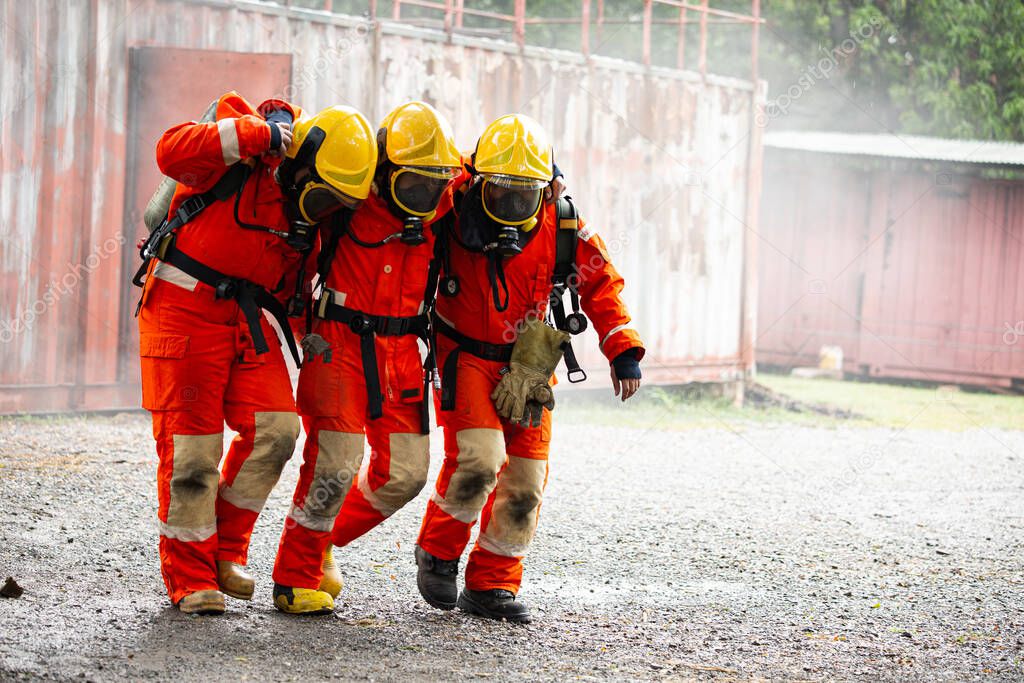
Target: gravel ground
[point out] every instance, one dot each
(753, 551)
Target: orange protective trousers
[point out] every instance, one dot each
(199, 370)
(388, 280)
(493, 471)
(333, 402)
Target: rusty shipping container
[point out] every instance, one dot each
(664, 164)
(912, 265)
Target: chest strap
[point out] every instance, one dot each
(367, 327)
(251, 297)
(501, 353)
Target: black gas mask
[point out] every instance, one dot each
(412, 194)
(310, 199)
(498, 219)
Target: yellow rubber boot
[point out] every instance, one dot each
(302, 600)
(332, 582)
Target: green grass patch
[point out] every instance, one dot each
(913, 407)
(815, 402)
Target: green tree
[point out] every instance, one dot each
(951, 68)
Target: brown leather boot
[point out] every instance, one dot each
(234, 580)
(202, 602)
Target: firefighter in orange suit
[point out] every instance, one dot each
(365, 381)
(500, 267)
(240, 226)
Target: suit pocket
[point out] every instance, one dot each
(319, 390)
(408, 379)
(167, 383)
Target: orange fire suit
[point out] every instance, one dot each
(495, 470)
(199, 365)
(336, 402)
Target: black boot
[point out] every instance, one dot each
(436, 579)
(494, 604)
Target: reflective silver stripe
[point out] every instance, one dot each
(338, 298)
(228, 141)
(617, 328)
(466, 515)
(176, 276)
(240, 501)
(312, 522)
(188, 535)
(502, 548)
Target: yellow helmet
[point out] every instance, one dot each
(514, 157)
(514, 145)
(418, 155)
(337, 145)
(416, 134)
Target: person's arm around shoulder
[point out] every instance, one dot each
(196, 154)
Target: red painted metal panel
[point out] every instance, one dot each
(932, 289)
(77, 165)
(809, 277)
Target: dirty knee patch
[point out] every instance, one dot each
(481, 455)
(408, 463)
(273, 443)
(516, 506)
(194, 479)
(337, 461)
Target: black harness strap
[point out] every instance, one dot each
(228, 185)
(438, 260)
(496, 274)
(367, 327)
(339, 226)
(494, 352)
(564, 278)
(250, 296)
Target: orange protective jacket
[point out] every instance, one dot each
(196, 155)
(528, 276)
(389, 280)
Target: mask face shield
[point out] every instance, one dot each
(319, 200)
(417, 190)
(511, 200)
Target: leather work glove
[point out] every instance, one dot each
(314, 345)
(534, 357)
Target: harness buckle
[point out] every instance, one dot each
(360, 325)
(576, 375)
(189, 208)
(226, 289)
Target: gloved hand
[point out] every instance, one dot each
(534, 411)
(280, 122)
(534, 358)
(626, 373)
(314, 345)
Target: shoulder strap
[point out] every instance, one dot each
(229, 184)
(339, 226)
(439, 259)
(565, 241)
(566, 236)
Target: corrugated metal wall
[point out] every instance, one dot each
(657, 159)
(915, 271)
